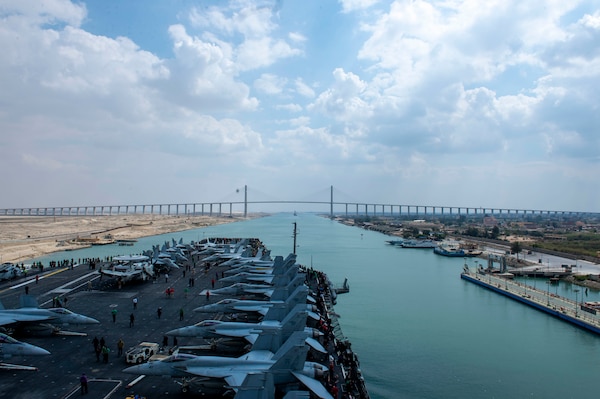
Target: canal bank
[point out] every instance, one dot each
(581, 314)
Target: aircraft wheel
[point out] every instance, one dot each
(138, 360)
(185, 389)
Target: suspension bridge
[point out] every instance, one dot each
(329, 205)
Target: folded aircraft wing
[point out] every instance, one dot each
(262, 309)
(266, 292)
(227, 373)
(315, 386)
(316, 345)
(235, 380)
(238, 333)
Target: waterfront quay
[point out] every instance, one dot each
(574, 312)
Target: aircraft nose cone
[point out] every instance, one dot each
(39, 351)
(32, 350)
(179, 332)
(151, 368)
(133, 370)
(89, 320)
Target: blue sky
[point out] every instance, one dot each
(454, 103)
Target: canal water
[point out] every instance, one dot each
(418, 329)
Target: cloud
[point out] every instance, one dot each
(270, 84)
(250, 29)
(303, 89)
(343, 100)
(354, 5)
(421, 95)
(290, 107)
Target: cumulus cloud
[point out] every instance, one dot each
(270, 84)
(354, 5)
(250, 28)
(343, 100)
(289, 107)
(303, 89)
(382, 91)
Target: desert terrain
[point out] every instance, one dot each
(26, 237)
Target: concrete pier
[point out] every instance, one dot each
(574, 312)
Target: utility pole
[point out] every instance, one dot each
(245, 201)
(294, 235)
(331, 202)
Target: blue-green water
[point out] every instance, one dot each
(419, 330)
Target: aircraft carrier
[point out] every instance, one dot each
(100, 297)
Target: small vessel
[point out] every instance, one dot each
(451, 249)
(395, 242)
(418, 244)
(454, 249)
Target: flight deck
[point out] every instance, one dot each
(112, 303)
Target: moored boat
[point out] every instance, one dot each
(454, 249)
(419, 244)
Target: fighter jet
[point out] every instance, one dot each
(241, 249)
(294, 321)
(167, 257)
(129, 268)
(273, 279)
(208, 247)
(262, 257)
(9, 271)
(268, 267)
(287, 365)
(30, 318)
(278, 266)
(266, 290)
(11, 347)
(271, 310)
(177, 252)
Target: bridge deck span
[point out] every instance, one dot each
(334, 208)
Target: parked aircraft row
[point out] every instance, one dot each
(277, 360)
(9, 271)
(30, 319)
(144, 267)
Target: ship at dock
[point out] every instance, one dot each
(455, 249)
(418, 243)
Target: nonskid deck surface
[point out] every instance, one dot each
(73, 354)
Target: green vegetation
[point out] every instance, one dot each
(516, 248)
(575, 243)
(581, 277)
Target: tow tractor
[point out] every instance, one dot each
(141, 353)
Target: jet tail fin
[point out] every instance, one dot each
(267, 341)
(283, 293)
(28, 301)
(294, 321)
(256, 386)
(292, 353)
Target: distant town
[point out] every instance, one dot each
(571, 236)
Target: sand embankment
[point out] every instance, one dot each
(26, 237)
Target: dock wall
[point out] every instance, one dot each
(551, 304)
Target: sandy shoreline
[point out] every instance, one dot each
(27, 237)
